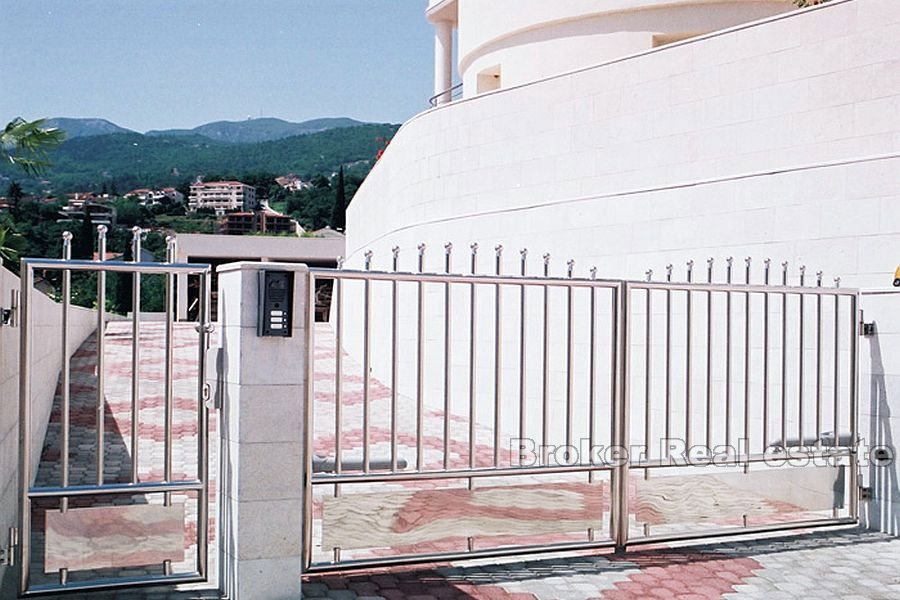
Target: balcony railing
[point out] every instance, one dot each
(450, 94)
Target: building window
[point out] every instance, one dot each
(489, 79)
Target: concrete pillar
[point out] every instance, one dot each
(443, 60)
(262, 382)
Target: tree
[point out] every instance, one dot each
(339, 212)
(14, 196)
(83, 245)
(11, 244)
(25, 143)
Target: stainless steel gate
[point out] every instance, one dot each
(105, 502)
(459, 415)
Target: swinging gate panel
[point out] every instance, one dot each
(453, 416)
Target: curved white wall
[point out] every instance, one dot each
(533, 39)
(657, 157)
(778, 139)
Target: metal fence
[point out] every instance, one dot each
(75, 496)
(475, 385)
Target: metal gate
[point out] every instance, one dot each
(109, 498)
(460, 415)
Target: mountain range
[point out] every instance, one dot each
(264, 129)
(99, 154)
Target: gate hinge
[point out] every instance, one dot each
(8, 552)
(865, 493)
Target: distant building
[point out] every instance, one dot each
(149, 197)
(100, 214)
(273, 222)
(292, 183)
(238, 223)
(327, 232)
(76, 200)
(222, 196)
(262, 221)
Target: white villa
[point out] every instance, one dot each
(629, 136)
(222, 196)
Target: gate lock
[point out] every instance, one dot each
(8, 552)
(8, 315)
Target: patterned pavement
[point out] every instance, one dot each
(118, 452)
(847, 563)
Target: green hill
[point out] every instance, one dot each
(129, 160)
(85, 127)
(259, 130)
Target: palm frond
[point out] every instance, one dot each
(26, 143)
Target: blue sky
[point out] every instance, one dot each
(158, 64)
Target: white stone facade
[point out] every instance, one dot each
(505, 43)
(779, 138)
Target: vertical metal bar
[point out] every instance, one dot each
(854, 386)
(367, 362)
(747, 328)
(837, 362)
(545, 393)
(420, 363)
(448, 249)
(498, 355)
(621, 534)
(728, 440)
(395, 330)
(473, 342)
(801, 370)
(338, 297)
(101, 352)
(592, 374)
(25, 466)
(66, 369)
(648, 375)
(819, 359)
(709, 362)
(570, 351)
(308, 423)
(765, 418)
(169, 368)
(203, 426)
(687, 358)
(668, 363)
(136, 352)
(784, 348)
(522, 345)
(614, 381)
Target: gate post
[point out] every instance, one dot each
(262, 387)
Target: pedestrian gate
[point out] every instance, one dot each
(118, 495)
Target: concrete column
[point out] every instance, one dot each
(443, 59)
(262, 382)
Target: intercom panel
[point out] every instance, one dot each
(276, 301)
